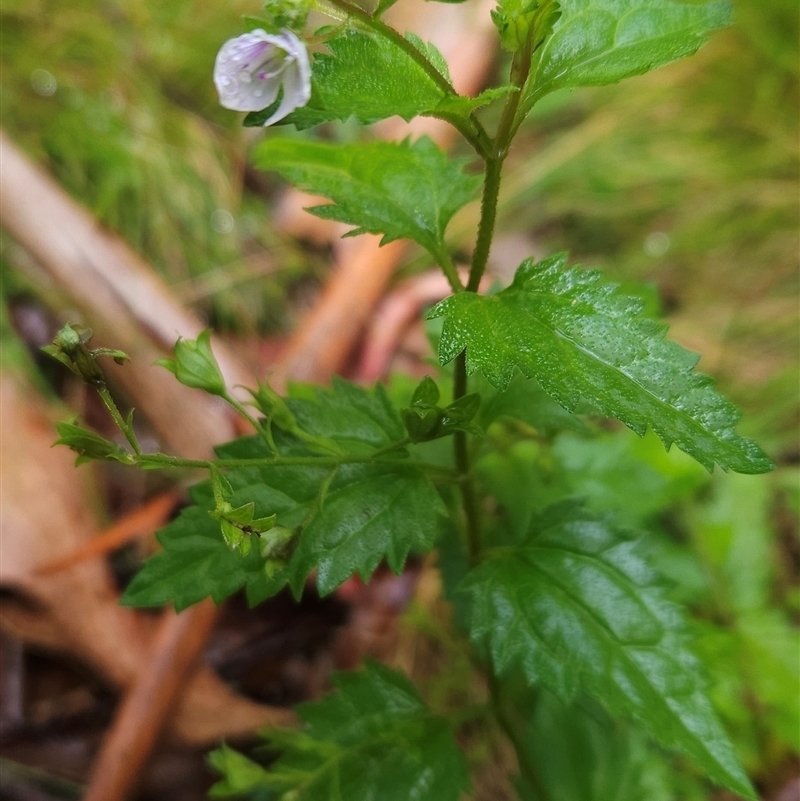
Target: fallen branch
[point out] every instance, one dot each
(141, 522)
(122, 299)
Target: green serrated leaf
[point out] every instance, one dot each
(585, 756)
(370, 77)
(357, 419)
(373, 738)
(575, 608)
(432, 53)
(403, 191)
(525, 400)
(370, 512)
(195, 563)
(579, 339)
(241, 775)
(597, 42)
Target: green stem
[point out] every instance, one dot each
(157, 460)
(470, 129)
(316, 504)
(480, 257)
(461, 448)
(122, 424)
(491, 191)
(520, 68)
(449, 269)
(260, 429)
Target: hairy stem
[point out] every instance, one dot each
(261, 430)
(122, 424)
(461, 447)
(491, 191)
(520, 68)
(449, 269)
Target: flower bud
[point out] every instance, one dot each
(195, 366)
(70, 348)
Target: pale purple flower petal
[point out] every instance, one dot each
(252, 69)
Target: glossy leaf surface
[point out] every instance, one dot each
(597, 42)
(585, 756)
(368, 512)
(373, 738)
(195, 563)
(357, 419)
(403, 191)
(575, 608)
(569, 330)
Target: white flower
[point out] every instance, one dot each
(251, 69)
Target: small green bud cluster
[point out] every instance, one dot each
(523, 21)
(239, 525)
(69, 348)
(425, 420)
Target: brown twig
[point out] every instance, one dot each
(138, 723)
(121, 297)
(141, 522)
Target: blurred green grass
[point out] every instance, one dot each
(116, 100)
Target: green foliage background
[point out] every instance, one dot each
(682, 184)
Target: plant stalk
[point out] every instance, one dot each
(261, 430)
(491, 191)
(461, 448)
(122, 424)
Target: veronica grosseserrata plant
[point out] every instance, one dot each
(563, 613)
